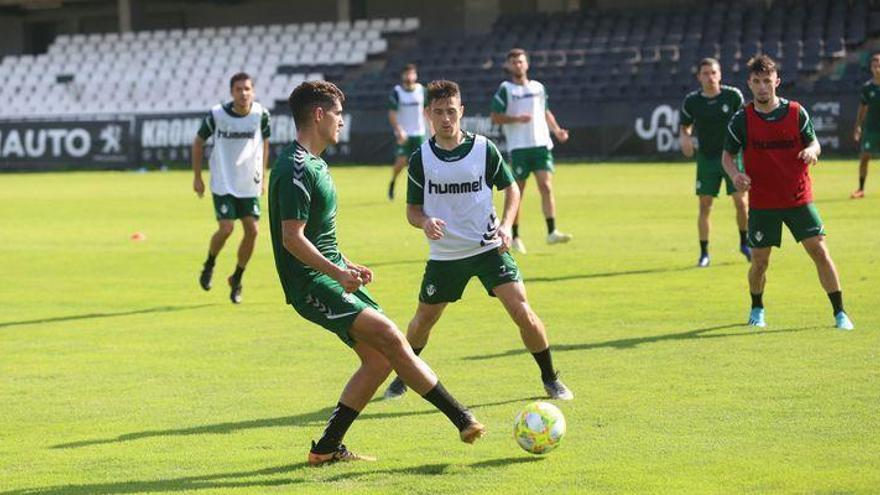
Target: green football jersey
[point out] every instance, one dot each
(870, 97)
(736, 130)
(300, 188)
(710, 116)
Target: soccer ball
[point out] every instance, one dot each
(539, 427)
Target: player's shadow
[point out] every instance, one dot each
(316, 418)
(93, 316)
(632, 343)
(284, 475)
(647, 271)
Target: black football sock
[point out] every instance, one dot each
(551, 225)
(545, 362)
(209, 263)
(757, 300)
(515, 230)
(338, 424)
(742, 237)
(862, 183)
(704, 248)
(836, 301)
(446, 403)
(236, 276)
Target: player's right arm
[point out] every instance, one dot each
(685, 130)
(206, 130)
(293, 192)
(415, 198)
(733, 144)
(393, 105)
(860, 119)
(499, 110)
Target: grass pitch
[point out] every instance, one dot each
(119, 375)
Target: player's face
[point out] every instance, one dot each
(518, 66)
(764, 86)
(409, 78)
(243, 93)
(445, 115)
(709, 76)
(330, 122)
(875, 66)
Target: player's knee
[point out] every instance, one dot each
(225, 229)
(251, 230)
(378, 366)
(525, 317)
(545, 187)
(760, 263)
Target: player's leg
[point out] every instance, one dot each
(218, 240)
(741, 204)
(417, 334)
(544, 179)
(703, 228)
(250, 225)
(757, 281)
(534, 335)
(400, 162)
(516, 242)
(828, 277)
(864, 159)
(377, 331)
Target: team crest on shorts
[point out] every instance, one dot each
(759, 236)
(224, 209)
(348, 298)
(430, 289)
(699, 184)
(256, 208)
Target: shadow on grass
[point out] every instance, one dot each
(288, 474)
(92, 316)
(421, 261)
(316, 418)
(623, 344)
(647, 271)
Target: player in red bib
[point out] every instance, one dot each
(778, 144)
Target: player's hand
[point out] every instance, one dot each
(199, 186)
(401, 137)
(524, 118)
(349, 279)
(433, 228)
(857, 133)
(561, 135)
(365, 274)
(503, 234)
(809, 156)
(742, 182)
(687, 146)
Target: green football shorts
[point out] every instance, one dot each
(409, 147)
(524, 161)
(870, 142)
(765, 226)
(710, 173)
(326, 303)
(229, 207)
(445, 281)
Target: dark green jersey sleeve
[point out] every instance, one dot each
(265, 125)
(499, 101)
(864, 95)
(295, 192)
(498, 174)
(686, 117)
(393, 101)
(415, 182)
(736, 133)
(206, 130)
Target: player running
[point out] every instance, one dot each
(708, 110)
(867, 131)
(449, 197)
(778, 144)
(407, 117)
(326, 288)
(520, 106)
(238, 164)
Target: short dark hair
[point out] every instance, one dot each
(761, 64)
(408, 67)
(240, 76)
(310, 95)
(874, 55)
(708, 61)
(516, 52)
(440, 90)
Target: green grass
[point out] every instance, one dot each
(119, 375)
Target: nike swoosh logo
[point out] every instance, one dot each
(343, 315)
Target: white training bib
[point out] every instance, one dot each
(529, 98)
(236, 161)
(457, 193)
(410, 109)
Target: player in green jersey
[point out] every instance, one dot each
(867, 131)
(326, 288)
(708, 111)
(406, 115)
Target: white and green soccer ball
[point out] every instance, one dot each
(539, 427)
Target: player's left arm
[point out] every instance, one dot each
(812, 150)
(560, 133)
(498, 174)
